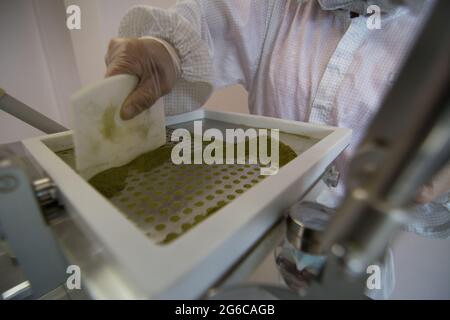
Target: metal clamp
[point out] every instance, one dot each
(331, 177)
(26, 229)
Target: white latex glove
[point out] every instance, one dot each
(155, 64)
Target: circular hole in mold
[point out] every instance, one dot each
(160, 227)
(178, 193)
(154, 204)
(176, 205)
(186, 226)
(170, 237)
(199, 218)
(199, 204)
(149, 219)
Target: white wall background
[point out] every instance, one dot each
(36, 62)
(42, 63)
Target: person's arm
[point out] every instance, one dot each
(217, 43)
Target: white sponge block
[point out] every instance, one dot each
(102, 139)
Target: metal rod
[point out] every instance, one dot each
(28, 115)
(406, 144)
(413, 106)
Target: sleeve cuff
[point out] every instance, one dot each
(186, 48)
(175, 59)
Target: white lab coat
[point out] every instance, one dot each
(296, 60)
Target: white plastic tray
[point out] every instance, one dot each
(182, 269)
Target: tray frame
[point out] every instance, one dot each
(121, 262)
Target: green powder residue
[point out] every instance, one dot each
(112, 181)
(112, 132)
(286, 154)
(108, 129)
(197, 219)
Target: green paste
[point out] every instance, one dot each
(112, 132)
(112, 181)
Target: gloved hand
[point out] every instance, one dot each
(151, 62)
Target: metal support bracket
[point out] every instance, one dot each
(26, 229)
